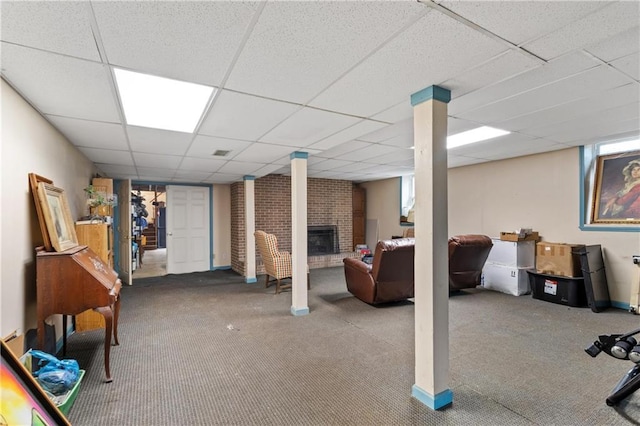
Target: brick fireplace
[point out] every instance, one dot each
(329, 205)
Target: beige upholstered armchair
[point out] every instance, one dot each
(277, 264)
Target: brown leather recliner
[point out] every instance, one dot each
(389, 278)
(467, 256)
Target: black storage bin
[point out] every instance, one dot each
(558, 289)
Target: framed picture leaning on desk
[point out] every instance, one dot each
(57, 217)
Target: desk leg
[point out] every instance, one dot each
(115, 320)
(107, 313)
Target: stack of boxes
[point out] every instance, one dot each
(558, 276)
(506, 266)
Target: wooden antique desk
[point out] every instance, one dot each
(72, 281)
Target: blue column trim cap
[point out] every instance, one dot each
(299, 312)
(441, 400)
(432, 92)
(251, 280)
(299, 154)
(248, 177)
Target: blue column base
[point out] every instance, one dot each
(299, 312)
(251, 280)
(441, 400)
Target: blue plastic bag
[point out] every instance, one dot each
(55, 376)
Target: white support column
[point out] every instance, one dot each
(299, 296)
(431, 250)
(250, 228)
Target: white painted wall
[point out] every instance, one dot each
(539, 191)
(30, 144)
(221, 225)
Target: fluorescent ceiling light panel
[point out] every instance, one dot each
(474, 135)
(161, 103)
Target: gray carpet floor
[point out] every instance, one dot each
(208, 349)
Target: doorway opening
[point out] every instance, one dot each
(149, 232)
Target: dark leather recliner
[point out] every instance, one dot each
(467, 256)
(389, 278)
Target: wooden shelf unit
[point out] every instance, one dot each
(99, 238)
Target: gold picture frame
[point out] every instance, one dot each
(616, 194)
(57, 216)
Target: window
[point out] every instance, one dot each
(593, 193)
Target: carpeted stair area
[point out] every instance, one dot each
(208, 349)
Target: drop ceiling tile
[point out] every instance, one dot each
(609, 21)
(365, 154)
(394, 158)
(399, 112)
(190, 175)
(328, 164)
(405, 140)
(600, 100)
(60, 27)
(307, 126)
(604, 123)
(343, 149)
(91, 134)
(404, 127)
(201, 164)
(239, 116)
(223, 178)
(362, 128)
(156, 141)
(629, 65)
(519, 22)
(405, 65)
(242, 168)
(555, 70)
(263, 153)
(191, 41)
(577, 86)
(113, 170)
(269, 168)
(205, 146)
(60, 85)
(505, 65)
(351, 167)
(314, 56)
(457, 125)
(155, 173)
(618, 46)
(108, 156)
(156, 161)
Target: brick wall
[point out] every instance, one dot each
(329, 202)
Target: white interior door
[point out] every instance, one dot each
(188, 240)
(124, 231)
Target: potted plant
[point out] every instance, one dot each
(99, 204)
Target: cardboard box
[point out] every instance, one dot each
(505, 279)
(512, 236)
(520, 254)
(558, 259)
(15, 343)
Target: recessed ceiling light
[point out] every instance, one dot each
(474, 135)
(161, 103)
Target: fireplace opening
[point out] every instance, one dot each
(322, 239)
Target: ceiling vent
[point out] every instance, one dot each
(220, 153)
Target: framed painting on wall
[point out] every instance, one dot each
(57, 216)
(616, 195)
